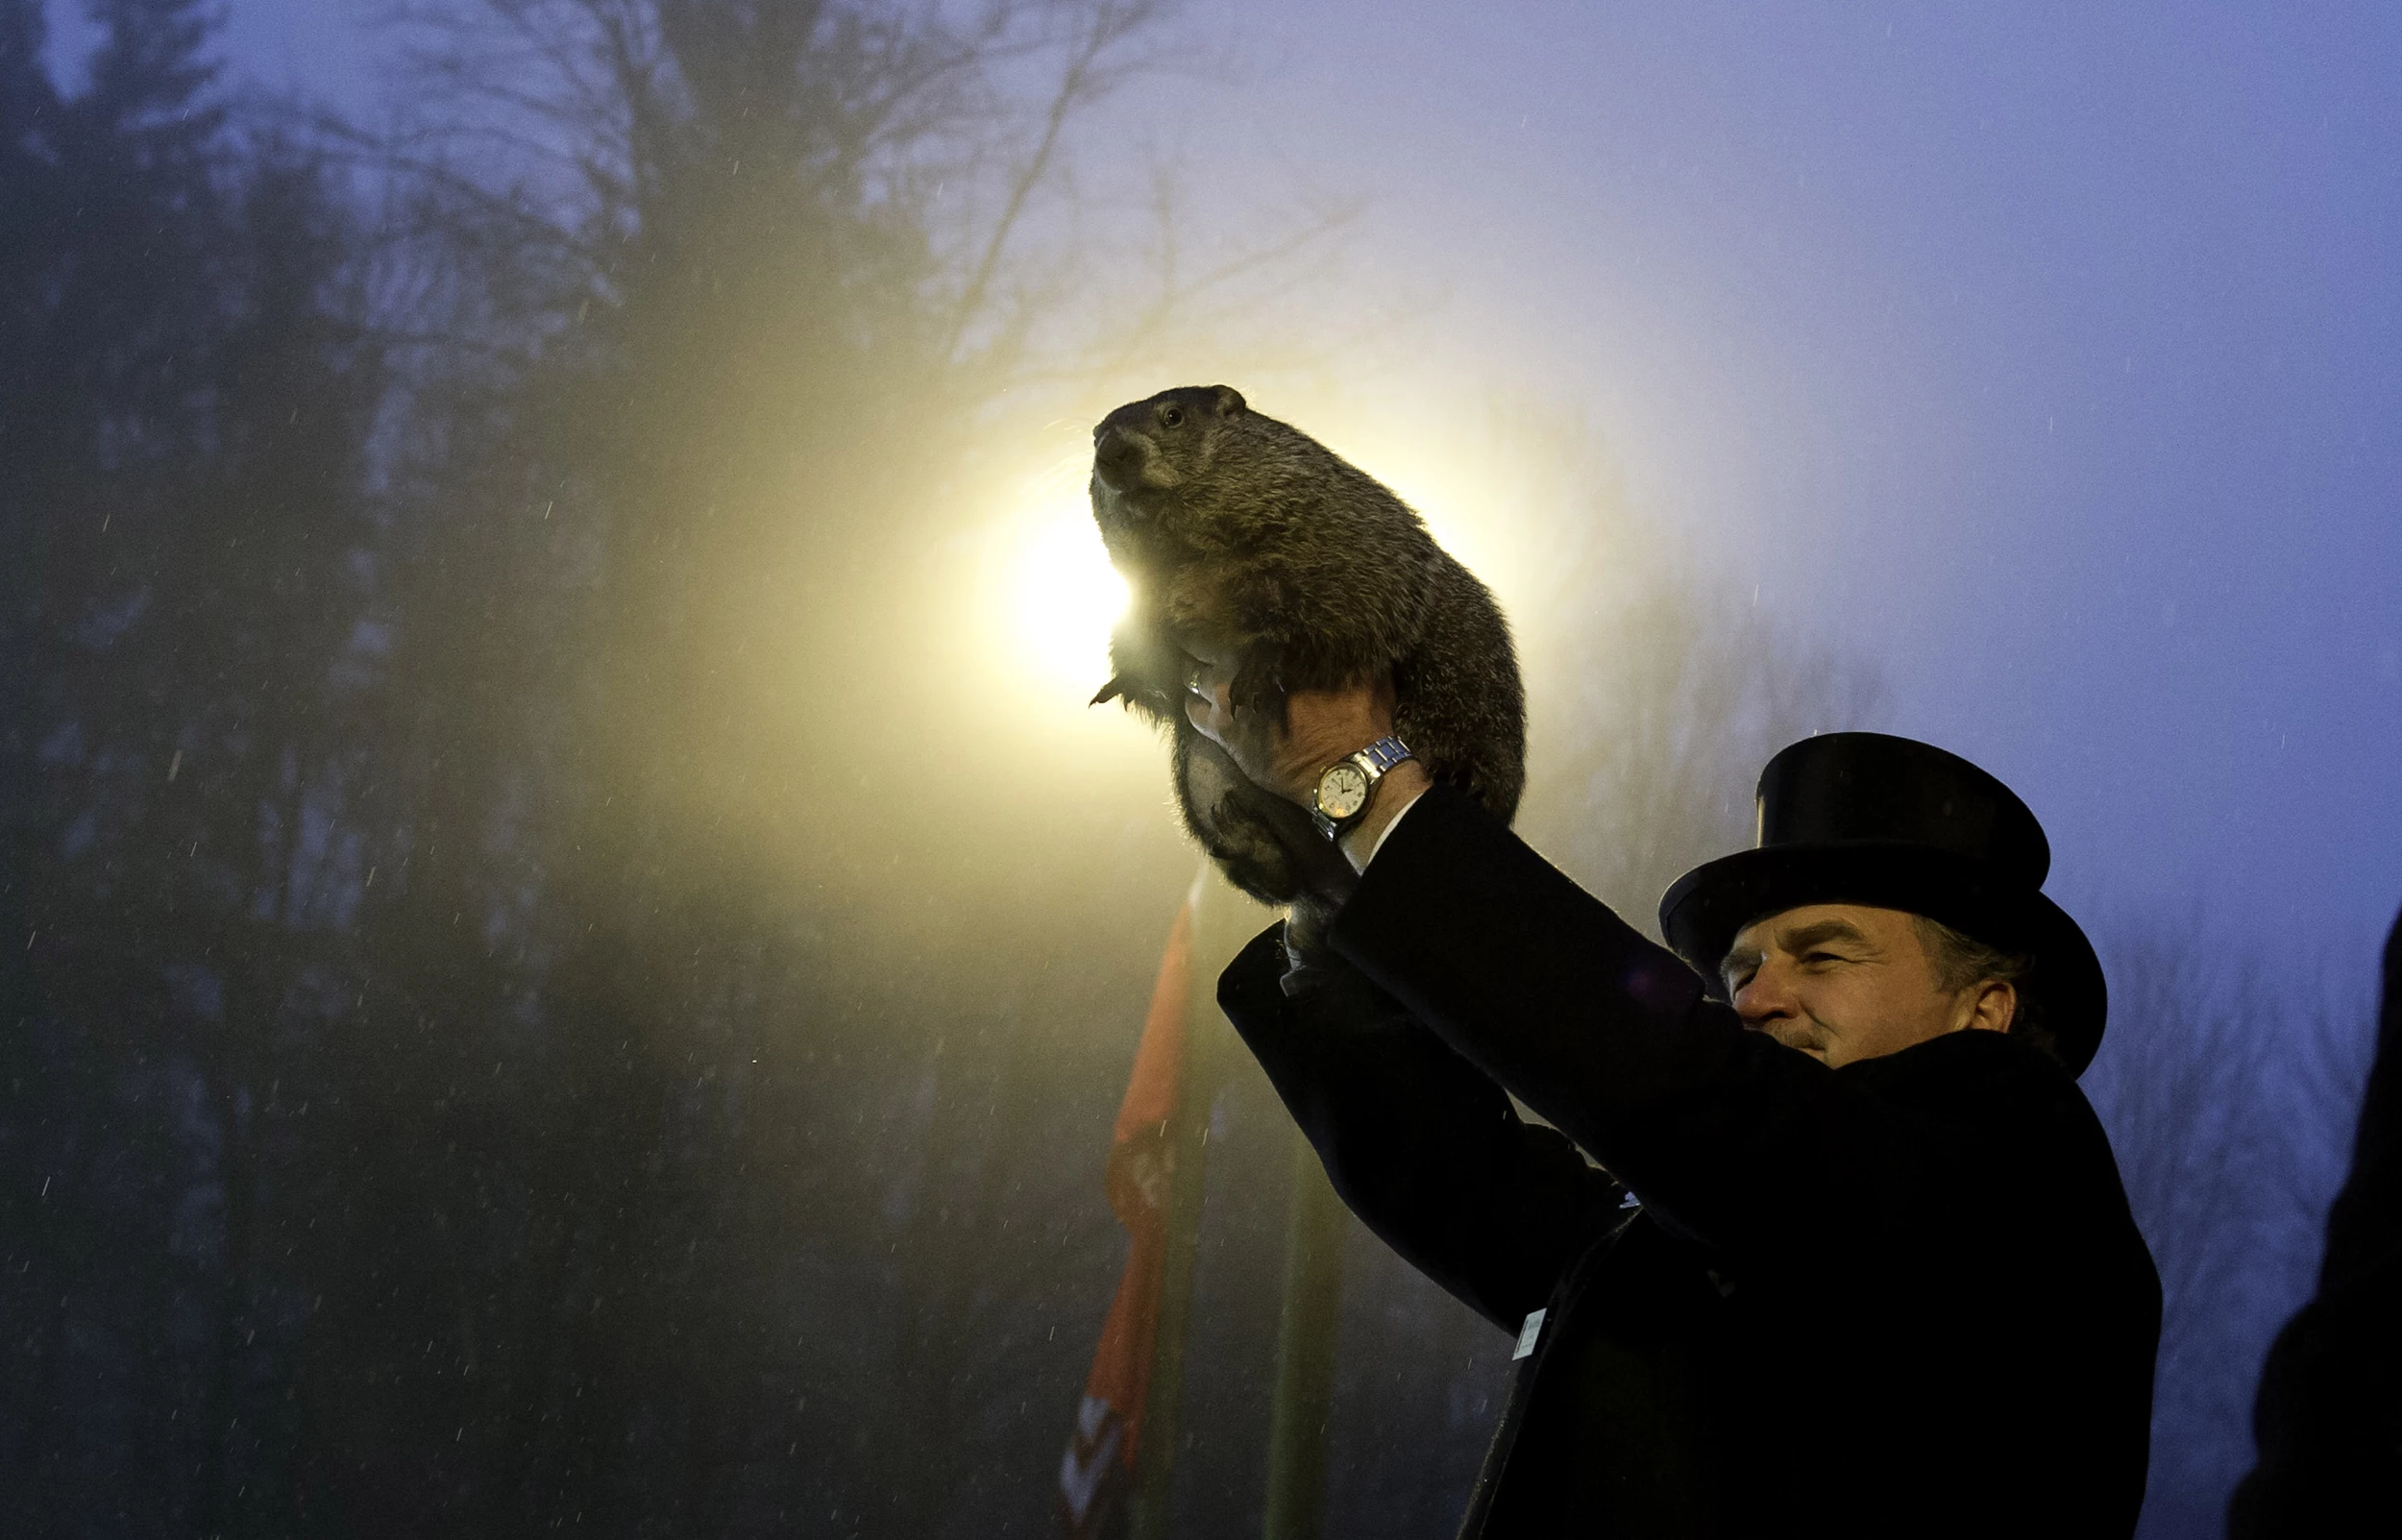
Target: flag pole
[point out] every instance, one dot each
(1218, 912)
(1314, 1227)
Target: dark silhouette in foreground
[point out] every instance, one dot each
(2329, 1417)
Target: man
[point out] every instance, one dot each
(2328, 1418)
(1855, 1259)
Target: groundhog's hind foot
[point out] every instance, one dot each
(1215, 801)
(1266, 846)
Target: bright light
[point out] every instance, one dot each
(1067, 595)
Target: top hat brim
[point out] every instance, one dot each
(1707, 907)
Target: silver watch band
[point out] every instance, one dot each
(1373, 761)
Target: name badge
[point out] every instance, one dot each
(1528, 1334)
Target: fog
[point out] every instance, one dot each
(583, 944)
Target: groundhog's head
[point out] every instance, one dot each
(1145, 452)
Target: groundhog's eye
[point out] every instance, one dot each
(1173, 417)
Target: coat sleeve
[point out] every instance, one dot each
(1424, 1148)
(1725, 1135)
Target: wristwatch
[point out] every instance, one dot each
(1344, 790)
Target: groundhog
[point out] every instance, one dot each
(1224, 520)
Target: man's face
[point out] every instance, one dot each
(1844, 982)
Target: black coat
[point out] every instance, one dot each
(2328, 1419)
(1900, 1296)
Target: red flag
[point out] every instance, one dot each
(1096, 1472)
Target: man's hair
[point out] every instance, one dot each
(1961, 961)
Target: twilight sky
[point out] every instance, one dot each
(2046, 354)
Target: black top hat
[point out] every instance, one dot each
(1868, 818)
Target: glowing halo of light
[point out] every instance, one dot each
(1064, 593)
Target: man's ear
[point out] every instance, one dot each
(1993, 1007)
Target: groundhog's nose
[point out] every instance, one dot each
(1117, 458)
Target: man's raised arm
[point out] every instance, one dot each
(1555, 999)
(1424, 1148)
(1610, 1038)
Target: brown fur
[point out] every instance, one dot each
(1226, 521)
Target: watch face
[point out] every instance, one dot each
(1344, 790)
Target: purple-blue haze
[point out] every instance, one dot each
(2044, 354)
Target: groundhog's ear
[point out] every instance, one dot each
(1229, 400)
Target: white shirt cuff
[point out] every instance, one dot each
(1386, 832)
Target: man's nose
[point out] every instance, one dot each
(1766, 996)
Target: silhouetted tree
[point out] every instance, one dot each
(727, 357)
(186, 437)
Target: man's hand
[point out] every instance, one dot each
(1320, 726)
